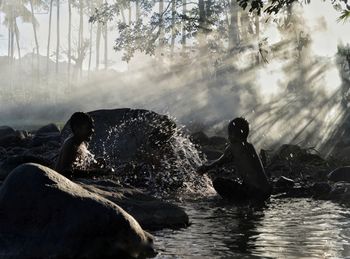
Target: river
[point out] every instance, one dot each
(283, 228)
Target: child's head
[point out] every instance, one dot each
(238, 129)
(82, 125)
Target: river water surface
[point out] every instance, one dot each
(283, 228)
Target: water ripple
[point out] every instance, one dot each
(285, 228)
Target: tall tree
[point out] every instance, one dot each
(106, 44)
(173, 29)
(69, 39)
(34, 24)
(58, 34)
(49, 39)
(184, 14)
(98, 38)
(233, 32)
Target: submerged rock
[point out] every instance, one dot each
(45, 215)
(150, 212)
(284, 182)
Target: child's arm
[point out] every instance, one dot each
(226, 157)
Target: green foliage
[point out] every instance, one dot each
(152, 30)
(345, 15)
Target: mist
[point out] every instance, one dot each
(295, 93)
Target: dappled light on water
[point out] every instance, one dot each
(286, 228)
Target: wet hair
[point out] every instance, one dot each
(79, 118)
(239, 127)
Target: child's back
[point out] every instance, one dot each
(249, 166)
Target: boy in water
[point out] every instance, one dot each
(74, 153)
(248, 166)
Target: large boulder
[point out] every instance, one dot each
(6, 131)
(10, 137)
(150, 212)
(120, 134)
(45, 134)
(45, 215)
(48, 129)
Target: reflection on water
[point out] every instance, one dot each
(284, 228)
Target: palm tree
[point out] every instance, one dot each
(13, 10)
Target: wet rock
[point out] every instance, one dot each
(211, 154)
(340, 174)
(12, 162)
(6, 131)
(47, 129)
(18, 150)
(200, 138)
(120, 134)
(45, 215)
(46, 134)
(17, 139)
(340, 192)
(219, 142)
(321, 190)
(2, 152)
(42, 139)
(150, 212)
(284, 182)
(295, 162)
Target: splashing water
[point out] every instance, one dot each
(155, 155)
(85, 159)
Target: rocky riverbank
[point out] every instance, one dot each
(293, 171)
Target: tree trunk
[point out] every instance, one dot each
(233, 27)
(257, 34)
(137, 6)
(90, 42)
(173, 29)
(106, 45)
(35, 35)
(17, 41)
(81, 33)
(69, 39)
(49, 40)
(58, 34)
(161, 24)
(184, 12)
(98, 40)
(12, 34)
(202, 24)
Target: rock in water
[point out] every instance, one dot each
(121, 133)
(341, 174)
(150, 212)
(45, 215)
